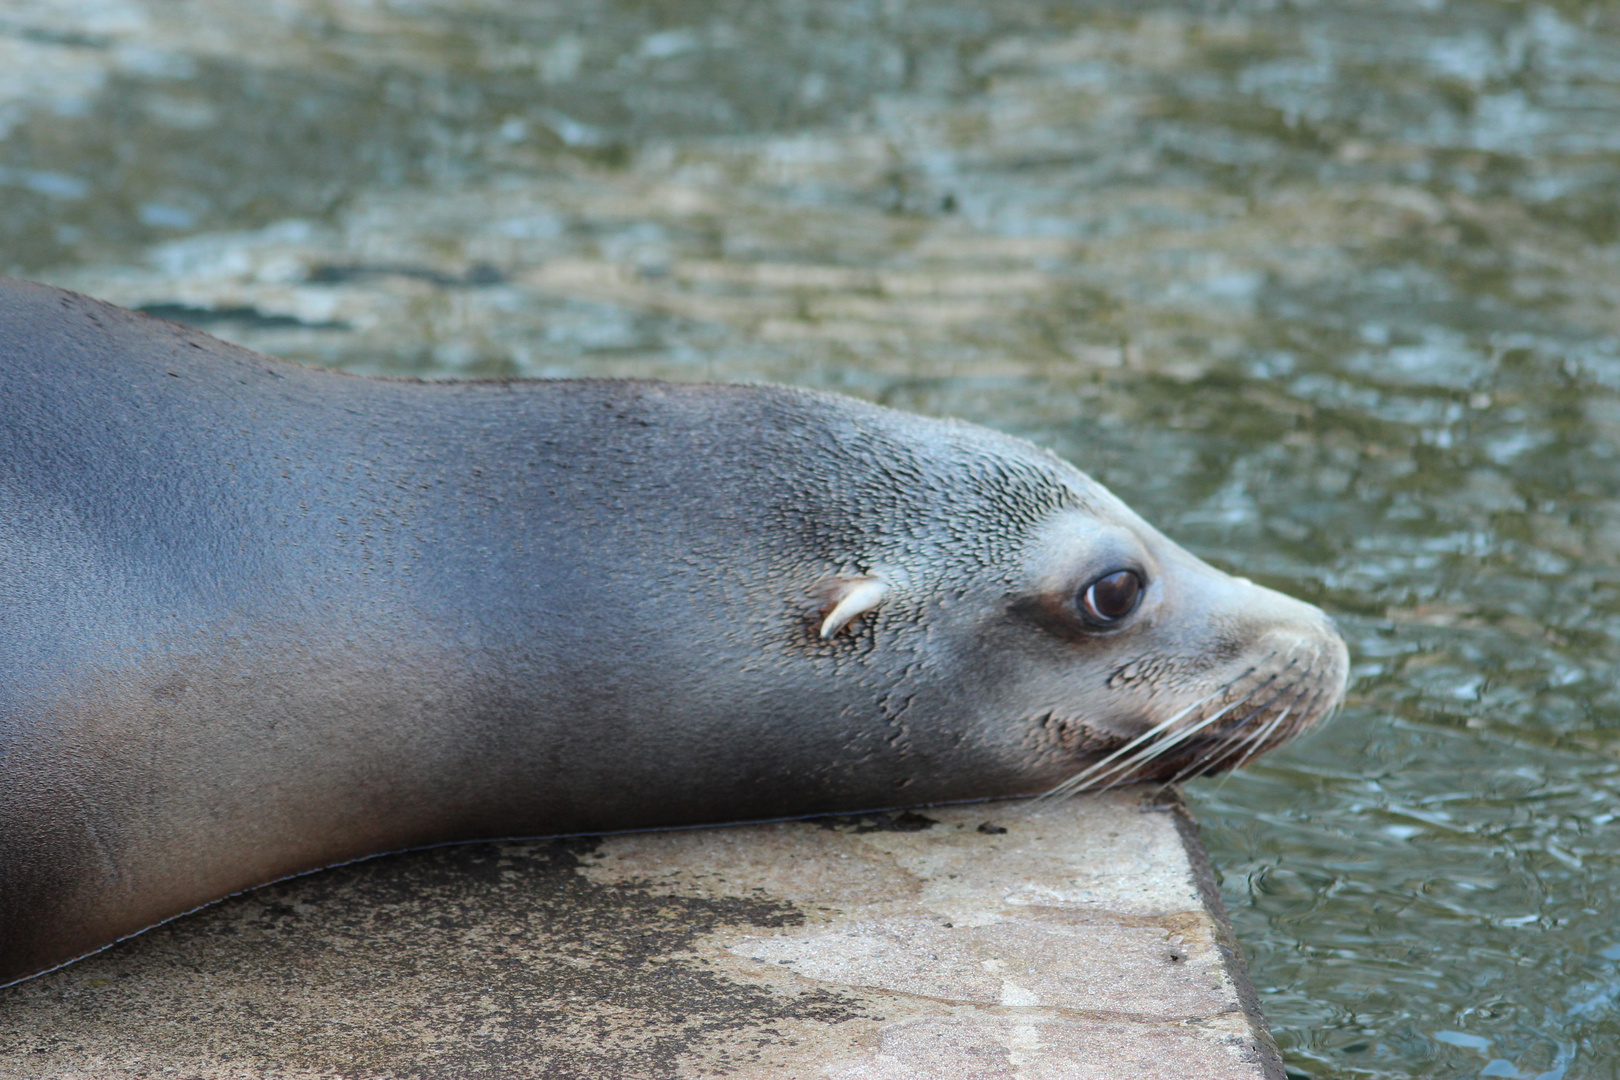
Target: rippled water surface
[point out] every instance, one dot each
(1329, 291)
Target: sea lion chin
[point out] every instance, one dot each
(261, 618)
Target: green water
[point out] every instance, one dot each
(1328, 291)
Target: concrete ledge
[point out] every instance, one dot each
(1083, 942)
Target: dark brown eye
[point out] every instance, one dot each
(1111, 597)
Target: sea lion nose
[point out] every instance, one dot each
(1302, 646)
(1316, 645)
(1283, 638)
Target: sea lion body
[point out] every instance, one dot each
(260, 618)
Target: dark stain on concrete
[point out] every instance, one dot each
(903, 821)
(493, 959)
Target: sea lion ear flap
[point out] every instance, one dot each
(851, 597)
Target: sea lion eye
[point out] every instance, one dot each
(1111, 597)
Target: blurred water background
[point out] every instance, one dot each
(1329, 291)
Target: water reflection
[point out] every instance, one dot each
(1330, 292)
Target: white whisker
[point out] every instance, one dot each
(1259, 737)
(1197, 766)
(1235, 739)
(1254, 740)
(1105, 772)
(1147, 736)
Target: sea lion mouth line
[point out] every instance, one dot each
(1150, 745)
(1262, 737)
(1236, 736)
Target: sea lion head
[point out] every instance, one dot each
(1072, 643)
(1148, 663)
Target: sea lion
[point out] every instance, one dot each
(260, 618)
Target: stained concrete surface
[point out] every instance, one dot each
(1084, 941)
